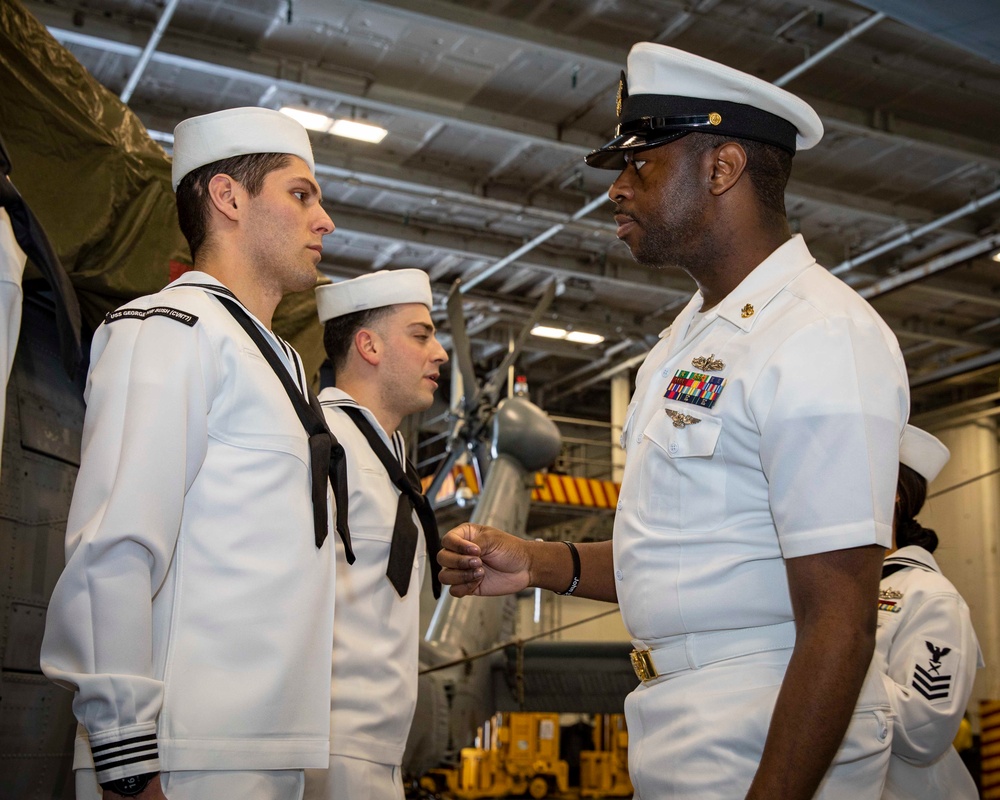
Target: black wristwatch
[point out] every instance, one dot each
(130, 786)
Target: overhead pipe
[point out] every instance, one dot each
(147, 53)
(593, 205)
(624, 365)
(812, 61)
(934, 265)
(968, 208)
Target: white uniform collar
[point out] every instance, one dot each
(332, 396)
(212, 285)
(754, 292)
(764, 282)
(913, 556)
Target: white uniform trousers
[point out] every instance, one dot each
(354, 779)
(699, 734)
(282, 784)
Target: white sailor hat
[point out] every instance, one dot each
(375, 290)
(668, 93)
(236, 132)
(923, 453)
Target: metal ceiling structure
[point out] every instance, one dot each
(491, 104)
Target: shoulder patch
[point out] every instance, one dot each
(158, 311)
(932, 681)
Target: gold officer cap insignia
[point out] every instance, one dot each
(680, 419)
(707, 363)
(622, 93)
(715, 118)
(746, 311)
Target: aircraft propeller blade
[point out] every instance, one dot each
(462, 347)
(491, 388)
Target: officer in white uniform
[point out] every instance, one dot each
(762, 444)
(194, 618)
(925, 644)
(380, 340)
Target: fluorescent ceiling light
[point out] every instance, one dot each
(579, 337)
(358, 130)
(308, 119)
(348, 128)
(996, 256)
(548, 333)
(584, 338)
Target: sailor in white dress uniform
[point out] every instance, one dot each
(386, 359)
(925, 643)
(194, 618)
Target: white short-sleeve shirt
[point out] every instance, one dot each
(768, 429)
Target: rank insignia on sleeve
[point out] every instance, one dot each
(695, 388)
(929, 680)
(707, 363)
(159, 311)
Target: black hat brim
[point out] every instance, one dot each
(612, 155)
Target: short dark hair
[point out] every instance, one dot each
(192, 192)
(338, 333)
(911, 489)
(768, 167)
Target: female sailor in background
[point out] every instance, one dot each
(925, 642)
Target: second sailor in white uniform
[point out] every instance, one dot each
(925, 642)
(380, 340)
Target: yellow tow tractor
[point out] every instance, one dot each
(520, 756)
(604, 770)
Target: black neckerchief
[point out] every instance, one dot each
(404, 533)
(326, 454)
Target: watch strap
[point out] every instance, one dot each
(130, 786)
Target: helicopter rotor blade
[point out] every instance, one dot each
(492, 386)
(462, 346)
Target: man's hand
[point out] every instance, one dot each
(153, 791)
(483, 561)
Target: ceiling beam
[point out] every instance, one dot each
(476, 245)
(183, 51)
(959, 292)
(921, 329)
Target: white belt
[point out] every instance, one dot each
(695, 650)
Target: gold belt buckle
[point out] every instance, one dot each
(642, 663)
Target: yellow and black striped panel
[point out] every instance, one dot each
(549, 488)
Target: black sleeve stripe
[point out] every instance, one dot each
(148, 738)
(108, 760)
(124, 762)
(142, 748)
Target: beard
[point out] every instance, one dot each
(673, 239)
